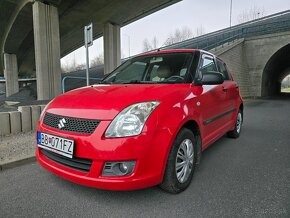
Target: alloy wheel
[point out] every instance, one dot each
(239, 122)
(184, 160)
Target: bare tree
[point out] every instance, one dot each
(199, 31)
(251, 14)
(66, 68)
(179, 35)
(154, 43)
(98, 60)
(186, 33)
(80, 67)
(170, 40)
(72, 67)
(146, 45)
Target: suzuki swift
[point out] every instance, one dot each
(144, 124)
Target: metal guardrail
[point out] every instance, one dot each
(75, 77)
(275, 23)
(3, 80)
(279, 22)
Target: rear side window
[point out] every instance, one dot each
(207, 64)
(223, 69)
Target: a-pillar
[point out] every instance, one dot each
(11, 74)
(112, 47)
(47, 50)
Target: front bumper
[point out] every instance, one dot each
(149, 150)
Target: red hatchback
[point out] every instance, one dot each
(145, 124)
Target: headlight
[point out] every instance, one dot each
(131, 120)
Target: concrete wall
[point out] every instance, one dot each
(234, 56)
(247, 58)
(23, 120)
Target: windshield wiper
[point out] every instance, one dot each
(135, 81)
(104, 82)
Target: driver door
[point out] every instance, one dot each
(212, 103)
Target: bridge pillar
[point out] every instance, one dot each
(11, 74)
(112, 47)
(47, 50)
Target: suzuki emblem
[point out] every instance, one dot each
(61, 123)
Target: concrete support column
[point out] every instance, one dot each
(11, 74)
(112, 47)
(47, 50)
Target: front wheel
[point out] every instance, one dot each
(238, 126)
(181, 163)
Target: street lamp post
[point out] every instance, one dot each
(231, 7)
(129, 49)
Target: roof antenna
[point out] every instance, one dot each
(163, 45)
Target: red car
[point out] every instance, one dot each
(145, 124)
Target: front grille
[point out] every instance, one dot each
(70, 124)
(75, 163)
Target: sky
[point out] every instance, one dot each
(212, 15)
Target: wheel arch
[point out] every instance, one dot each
(193, 126)
(241, 107)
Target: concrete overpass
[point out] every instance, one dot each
(34, 35)
(258, 63)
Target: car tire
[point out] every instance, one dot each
(238, 126)
(183, 152)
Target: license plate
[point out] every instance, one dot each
(56, 144)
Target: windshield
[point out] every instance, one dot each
(157, 68)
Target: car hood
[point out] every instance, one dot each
(105, 101)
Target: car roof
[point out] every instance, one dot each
(170, 51)
(175, 51)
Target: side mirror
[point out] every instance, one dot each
(212, 78)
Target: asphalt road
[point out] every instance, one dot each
(247, 177)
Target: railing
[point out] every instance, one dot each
(275, 23)
(75, 77)
(279, 22)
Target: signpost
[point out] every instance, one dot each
(88, 33)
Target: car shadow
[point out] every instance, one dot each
(134, 195)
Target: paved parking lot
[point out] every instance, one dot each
(247, 177)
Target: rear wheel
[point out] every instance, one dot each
(238, 126)
(181, 163)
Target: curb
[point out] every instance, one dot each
(17, 162)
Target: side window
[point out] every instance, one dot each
(223, 70)
(207, 64)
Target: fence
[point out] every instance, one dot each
(275, 23)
